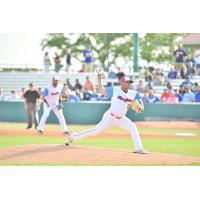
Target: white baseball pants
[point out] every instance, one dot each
(59, 115)
(109, 121)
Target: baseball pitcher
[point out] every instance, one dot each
(123, 99)
(51, 96)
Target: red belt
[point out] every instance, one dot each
(112, 114)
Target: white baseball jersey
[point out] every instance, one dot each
(121, 99)
(52, 94)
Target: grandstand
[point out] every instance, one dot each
(17, 80)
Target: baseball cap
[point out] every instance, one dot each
(56, 78)
(125, 79)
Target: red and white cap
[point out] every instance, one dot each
(125, 79)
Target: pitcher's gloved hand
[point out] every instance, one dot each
(60, 106)
(137, 106)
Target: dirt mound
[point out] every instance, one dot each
(60, 154)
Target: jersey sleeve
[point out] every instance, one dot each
(45, 92)
(137, 96)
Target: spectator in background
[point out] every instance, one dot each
(57, 62)
(180, 55)
(187, 82)
(22, 93)
(168, 97)
(182, 90)
(197, 60)
(89, 86)
(190, 70)
(86, 95)
(46, 62)
(149, 86)
(77, 85)
(119, 74)
(148, 77)
(190, 59)
(69, 84)
(197, 94)
(169, 87)
(152, 98)
(66, 92)
(140, 87)
(178, 95)
(183, 71)
(13, 96)
(88, 55)
(173, 74)
(68, 59)
(2, 98)
(157, 78)
(194, 87)
(188, 96)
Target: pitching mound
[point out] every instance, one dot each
(60, 154)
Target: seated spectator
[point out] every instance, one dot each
(13, 96)
(189, 59)
(197, 94)
(89, 86)
(140, 87)
(86, 95)
(173, 74)
(190, 70)
(2, 98)
(178, 95)
(194, 87)
(157, 78)
(183, 71)
(148, 77)
(169, 87)
(69, 84)
(77, 85)
(78, 93)
(188, 96)
(73, 97)
(187, 82)
(168, 97)
(66, 92)
(149, 86)
(152, 98)
(197, 60)
(182, 90)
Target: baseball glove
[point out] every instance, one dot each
(59, 106)
(137, 106)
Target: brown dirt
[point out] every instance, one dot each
(169, 124)
(41, 154)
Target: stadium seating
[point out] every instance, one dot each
(15, 81)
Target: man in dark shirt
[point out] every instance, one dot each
(180, 55)
(78, 85)
(32, 97)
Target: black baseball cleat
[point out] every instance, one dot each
(69, 141)
(141, 151)
(40, 132)
(28, 127)
(66, 132)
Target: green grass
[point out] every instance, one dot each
(184, 146)
(52, 127)
(14, 140)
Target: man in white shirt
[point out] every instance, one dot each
(115, 116)
(52, 96)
